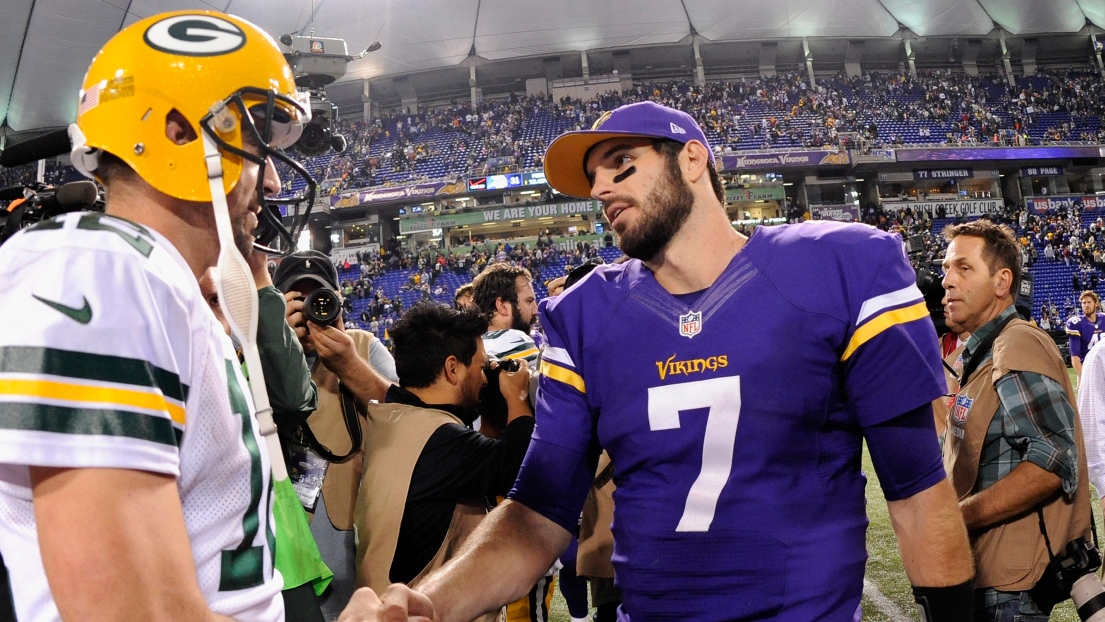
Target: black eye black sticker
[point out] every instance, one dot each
(620, 177)
(195, 35)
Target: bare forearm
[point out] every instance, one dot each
(501, 561)
(364, 382)
(1076, 363)
(1018, 492)
(115, 547)
(931, 537)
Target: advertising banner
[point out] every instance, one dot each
(764, 193)
(501, 214)
(949, 208)
(341, 255)
(1086, 203)
(839, 213)
(396, 193)
(785, 158)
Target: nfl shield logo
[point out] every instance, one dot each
(690, 324)
(962, 405)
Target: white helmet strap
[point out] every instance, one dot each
(238, 297)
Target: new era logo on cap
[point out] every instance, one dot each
(675, 129)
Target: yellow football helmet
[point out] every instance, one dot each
(226, 77)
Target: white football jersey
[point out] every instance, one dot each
(110, 357)
(510, 344)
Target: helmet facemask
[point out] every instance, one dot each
(267, 123)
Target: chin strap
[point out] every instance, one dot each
(238, 297)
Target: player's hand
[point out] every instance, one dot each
(399, 604)
(259, 265)
(293, 315)
(334, 346)
(556, 286)
(514, 385)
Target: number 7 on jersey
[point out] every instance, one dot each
(723, 399)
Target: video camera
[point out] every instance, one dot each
(317, 62)
(35, 202)
(492, 406)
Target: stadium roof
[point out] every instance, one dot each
(47, 44)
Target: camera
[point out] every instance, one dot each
(35, 202)
(1071, 575)
(492, 406)
(322, 306)
(317, 62)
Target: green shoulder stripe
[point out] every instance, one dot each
(92, 421)
(88, 366)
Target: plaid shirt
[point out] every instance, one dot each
(1034, 422)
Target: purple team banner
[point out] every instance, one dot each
(785, 158)
(397, 193)
(997, 153)
(839, 213)
(1086, 203)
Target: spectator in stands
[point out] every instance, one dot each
(1085, 330)
(426, 473)
(1015, 442)
(464, 296)
(350, 367)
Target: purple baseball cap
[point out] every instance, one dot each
(566, 156)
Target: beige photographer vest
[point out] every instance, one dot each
(395, 435)
(1011, 556)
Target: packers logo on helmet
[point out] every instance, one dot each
(195, 35)
(223, 76)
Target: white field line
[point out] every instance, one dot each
(885, 605)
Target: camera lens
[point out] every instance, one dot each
(1089, 597)
(322, 306)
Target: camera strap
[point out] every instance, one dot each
(352, 426)
(1043, 530)
(982, 350)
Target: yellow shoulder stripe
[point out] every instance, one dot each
(564, 375)
(107, 396)
(523, 354)
(881, 322)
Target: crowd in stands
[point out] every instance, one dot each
(771, 112)
(1063, 249)
(377, 288)
(775, 112)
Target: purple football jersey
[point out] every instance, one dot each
(1084, 334)
(735, 423)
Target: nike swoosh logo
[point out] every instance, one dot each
(82, 315)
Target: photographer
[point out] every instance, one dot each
(426, 473)
(350, 368)
(1014, 449)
